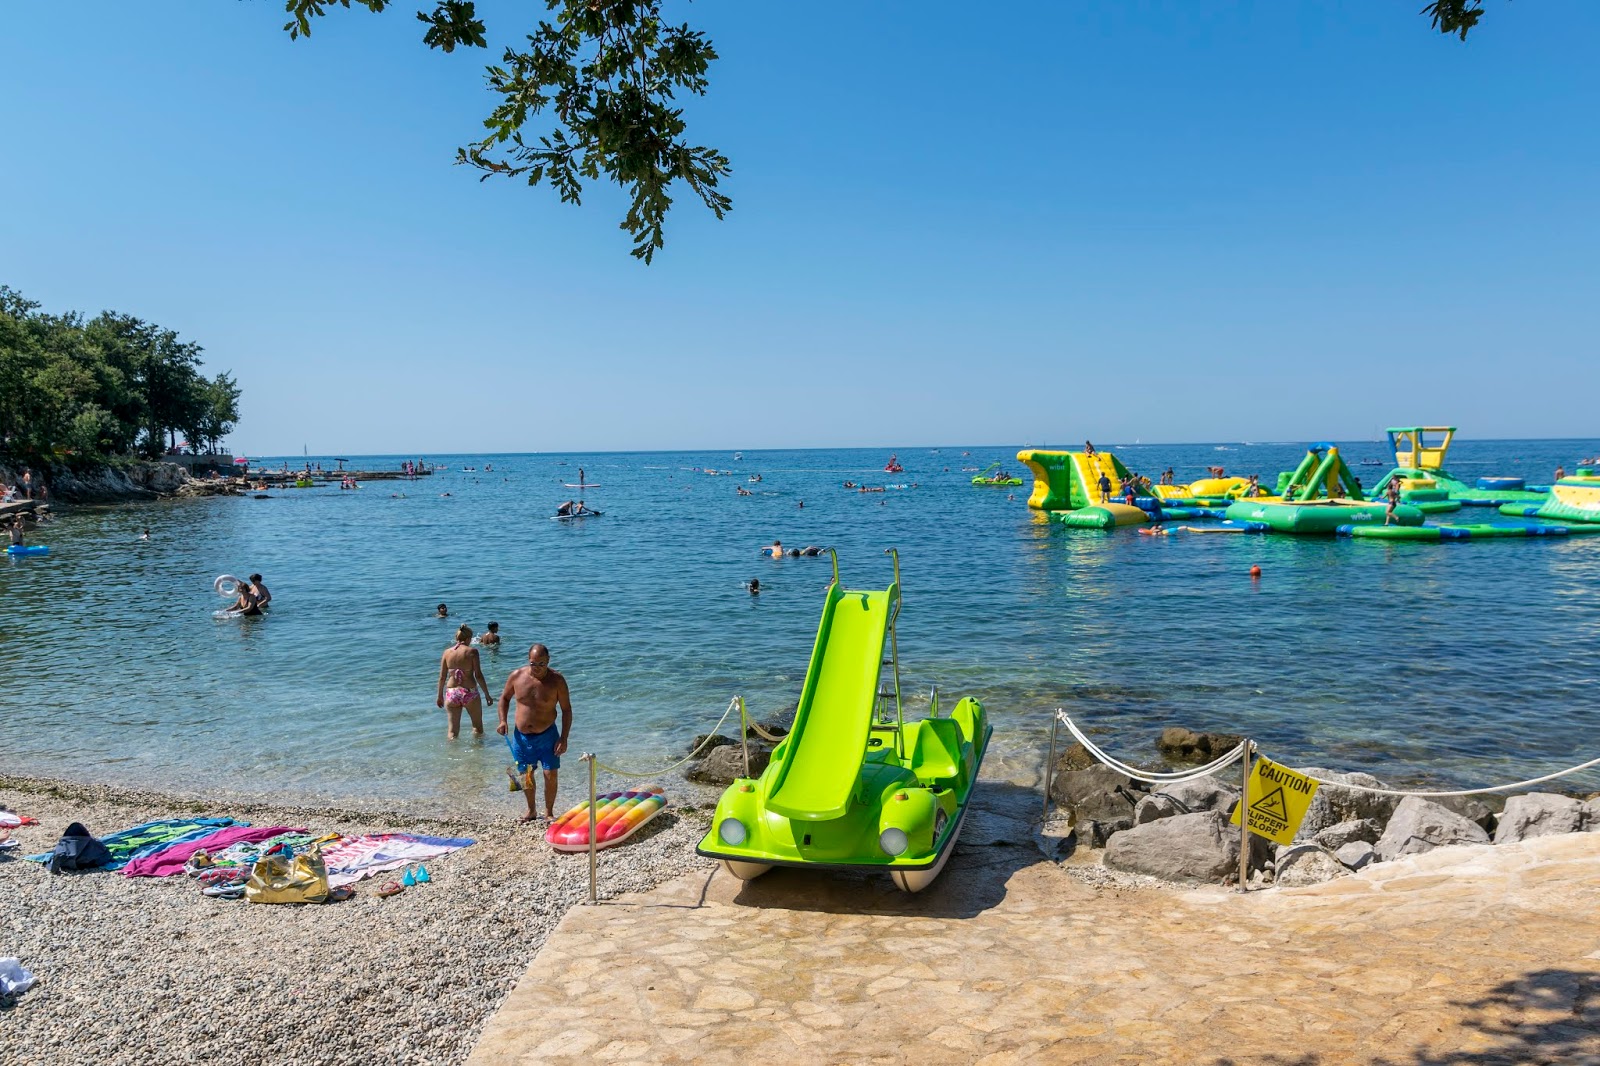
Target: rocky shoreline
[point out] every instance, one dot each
(1182, 832)
(136, 480)
(145, 970)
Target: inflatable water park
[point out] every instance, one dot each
(1093, 489)
(854, 785)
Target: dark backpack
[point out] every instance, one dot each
(77, 850)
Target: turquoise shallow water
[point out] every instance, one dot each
(1468, 663)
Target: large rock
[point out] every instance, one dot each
(1357, 854)
(726, 763)
(1185, 745)
(1419, 825)
(1472, 808)
(1099, 800)
(1307, 864)
(1074, 757)
(1337, 836)
(1591, 816)
(711, 741)
(1538, 814)
(1157, 806)
(1332, 805)
(1185, 847)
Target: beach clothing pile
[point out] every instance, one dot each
(220, 853)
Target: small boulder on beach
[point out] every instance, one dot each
(1185, 745)
(1099, 800)
(726, 763)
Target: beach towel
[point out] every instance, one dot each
(150, 837)
(168, 862)
(245, 853)
(354, 858)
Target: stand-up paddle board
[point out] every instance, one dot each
(581, 485)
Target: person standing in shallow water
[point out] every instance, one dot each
(532, 735)
(460, 667)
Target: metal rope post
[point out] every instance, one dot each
(1049, 768)
(1244, 821)
(744, 734)
(588, 757)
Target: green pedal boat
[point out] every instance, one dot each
(854, 785)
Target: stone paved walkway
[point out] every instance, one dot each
(1462, 956)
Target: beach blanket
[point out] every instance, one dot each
(169, 861)
(354, 858)
(150, 837)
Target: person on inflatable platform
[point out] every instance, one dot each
(1088, 449)
(1105, 489)
(15, 529)
(1392, 494)
(532, 735)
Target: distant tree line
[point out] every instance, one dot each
(86, 391)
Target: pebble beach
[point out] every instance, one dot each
(146, 970)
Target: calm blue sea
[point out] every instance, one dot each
(1467, 663)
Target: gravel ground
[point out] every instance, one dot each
(140, 970)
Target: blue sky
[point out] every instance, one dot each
(1118, 220)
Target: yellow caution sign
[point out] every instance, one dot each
(1278, 800)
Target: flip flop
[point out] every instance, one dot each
(409, 880)
(391, 888)
(423, 876)
(235, 891)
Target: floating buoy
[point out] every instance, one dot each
(1255, 571)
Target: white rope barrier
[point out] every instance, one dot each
(735, 702)
(1159, 778)
(1151, 777)
(1460, 792)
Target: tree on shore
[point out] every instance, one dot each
(84, 392)
(606, 74)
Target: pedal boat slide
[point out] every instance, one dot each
(854, 785)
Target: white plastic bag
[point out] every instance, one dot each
(14, 980)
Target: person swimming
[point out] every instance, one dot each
(775, 549)
(491, 639)
(442, 612)
(754, 585)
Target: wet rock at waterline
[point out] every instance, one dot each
(726, 763)
(1185, 745)
(1098, 800)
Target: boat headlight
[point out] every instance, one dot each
(732, 832)
(893, 841)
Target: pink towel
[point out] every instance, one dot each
(169, 861)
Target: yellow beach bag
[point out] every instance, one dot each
(277, 879)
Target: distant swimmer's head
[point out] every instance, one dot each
(464, 634)
(255, 579)
(795, 552)
(755, 585)
(443, 611)
(494, 627)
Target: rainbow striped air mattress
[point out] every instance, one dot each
(618, 815)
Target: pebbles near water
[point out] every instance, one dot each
(141, 970)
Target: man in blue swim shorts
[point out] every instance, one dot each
(532, 735)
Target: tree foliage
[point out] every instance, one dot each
(602, 78)
(606, 74)
(82, 391)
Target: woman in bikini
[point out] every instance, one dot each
(460, 681)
